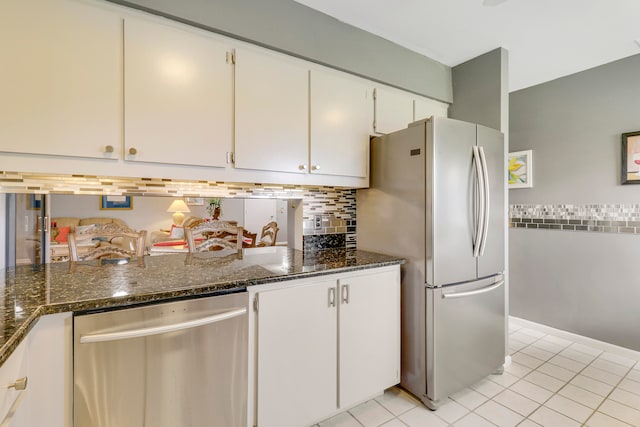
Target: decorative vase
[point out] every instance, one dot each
(216, 213)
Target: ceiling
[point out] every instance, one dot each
(546, 39)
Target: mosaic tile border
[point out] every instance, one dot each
(602, 218)
(336, 206)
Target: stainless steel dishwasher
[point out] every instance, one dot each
(177, 364)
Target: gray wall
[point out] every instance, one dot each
(481, 90)
(583, 282)
(301, 31)
(573, 124)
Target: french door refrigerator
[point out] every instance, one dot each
(437, 198)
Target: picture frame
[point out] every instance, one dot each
(116, 202)
(630, 158)
(520, 169)
(194, 201)
(34, 201)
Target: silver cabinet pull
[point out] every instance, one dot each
(302, 167)
(19, 384)
(133, 151)
(345, 294)
(108, 149)
(332, 297)
(145, 332)
(315, 167)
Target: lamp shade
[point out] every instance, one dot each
(178, 206)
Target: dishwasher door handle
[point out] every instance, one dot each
(155, 330)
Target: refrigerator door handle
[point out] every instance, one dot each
(487, 202)
(481, 210)
(474, 292)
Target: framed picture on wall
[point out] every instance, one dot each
(520, 169)
(194, 201)
(631, 158)
(34, 201)
(116, 202)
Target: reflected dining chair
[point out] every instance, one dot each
(213, 235)
(110, 241)
(248, 239)
(269, 234)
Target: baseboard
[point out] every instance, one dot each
(600, 345)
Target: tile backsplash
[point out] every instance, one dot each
(603, 218)
(336, 207)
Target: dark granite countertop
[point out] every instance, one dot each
(32, 291)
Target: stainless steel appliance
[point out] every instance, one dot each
(437, 198)
(182, 363)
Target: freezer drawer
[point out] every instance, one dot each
(182, 363)
(465, 335)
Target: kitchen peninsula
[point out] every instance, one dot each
(36, 292)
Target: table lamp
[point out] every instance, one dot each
(178, 207)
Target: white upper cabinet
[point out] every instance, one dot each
(393, 110)
(425, 107)
(340, 124)
(178, 95)
(60, 79)
(272, 112)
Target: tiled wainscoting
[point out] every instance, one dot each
(607, 218)
(336, 206)
(552, 381)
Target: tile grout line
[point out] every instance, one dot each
(609, 394)
(572, 378)
(565, 384)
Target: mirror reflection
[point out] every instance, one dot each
(38, 225)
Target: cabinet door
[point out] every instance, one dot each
(13, 403)
(178, 95)
(425, 107)
(271, 120)
(297, 371)
(393, 110)
(61, 79)
(50, 371)
(369, 335)
(340, 123)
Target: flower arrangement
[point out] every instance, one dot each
(214, 208)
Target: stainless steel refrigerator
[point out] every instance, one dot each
(437, 198)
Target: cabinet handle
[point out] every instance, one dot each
(332, 297)
(315, 167)
(133, 151)
(302, 167)
(19, 384)
(345, 294)
(108, 149)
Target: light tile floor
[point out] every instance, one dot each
(551, 382)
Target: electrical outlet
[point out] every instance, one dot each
(317, 222)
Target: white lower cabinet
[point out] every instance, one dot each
(324, 345)
(44, 359)
(49, 352)
(13, 407)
